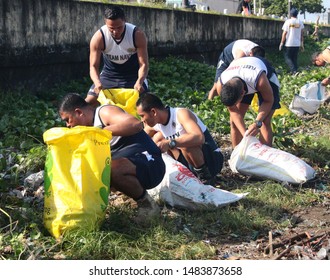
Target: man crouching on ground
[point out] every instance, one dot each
(183, 135)
(137, 164)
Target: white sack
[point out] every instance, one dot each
(300, 105)
(251, 157)
(311, 96)
(181, 188)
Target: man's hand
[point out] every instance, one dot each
(302, 47)
(253, 130)
(98, 88)
(139, 87)
(325, 81)
(280, 47)
(163, 145)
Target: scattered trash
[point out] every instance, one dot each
(303, 246)
(321, 187)
(34, 180)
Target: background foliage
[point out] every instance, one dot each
(280, 7)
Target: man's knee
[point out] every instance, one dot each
(118, 169)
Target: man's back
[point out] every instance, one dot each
(248, 69)
(293, 27)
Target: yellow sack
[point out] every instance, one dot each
(77, 178)
(124, 98)
(278, 112)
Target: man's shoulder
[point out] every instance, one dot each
(326, 54)
(131, 25)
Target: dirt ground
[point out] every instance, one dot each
(307, 238)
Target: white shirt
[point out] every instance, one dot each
(248, 69)
(174, 128)
(293, 27)
(119, 52)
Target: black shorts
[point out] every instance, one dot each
(247, 99)
(150, 169)
(109, 84)
(144, 154)
(212, 156)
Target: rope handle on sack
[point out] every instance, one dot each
(319, 97)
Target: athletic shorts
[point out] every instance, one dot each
(212, 156)
(247, 99)
(144, 154)
(113, 83)
(150, 169)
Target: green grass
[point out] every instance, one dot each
(177, 234)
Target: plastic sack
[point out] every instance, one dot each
(181, 188)
(278, 112)
(77, 178)
(311, 96)
(251, 157)
(124, 98)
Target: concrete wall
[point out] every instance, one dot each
(43, 42)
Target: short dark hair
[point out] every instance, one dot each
(294, 12)
(70, 102)
(114, 12)
(148, 101)
(258, 51)
(231, 92)
(314, 57)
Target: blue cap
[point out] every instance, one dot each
(294, 12)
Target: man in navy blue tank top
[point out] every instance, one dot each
(123, 48)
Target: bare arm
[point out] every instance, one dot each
(215, 91)
(193, 136)
(119, 122)
(218, 87)
(266, 91)
(156, 135)
(283, 37)
(142, 53)
(96, 47)
(237, 118)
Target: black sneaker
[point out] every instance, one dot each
(204, 175)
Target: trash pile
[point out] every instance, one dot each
(302, 246)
